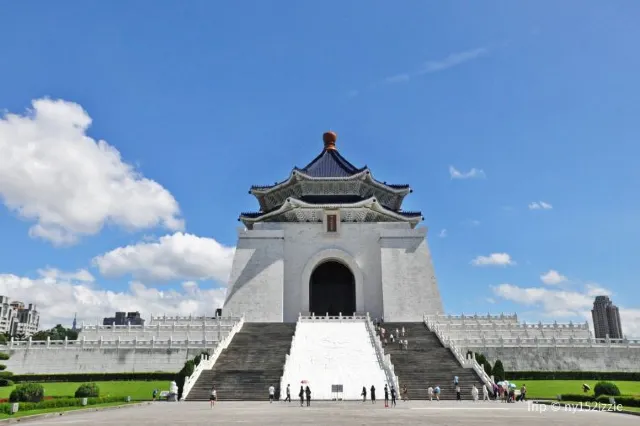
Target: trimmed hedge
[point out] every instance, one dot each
(572, 375)
(6, 382)
(4, 356)
(3, 367)
(59, 403)
(625, 400)
(92, 377)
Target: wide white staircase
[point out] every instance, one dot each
(334, 352)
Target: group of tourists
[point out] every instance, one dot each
(391, 338)
(387, 392)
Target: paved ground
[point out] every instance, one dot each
(346, 413)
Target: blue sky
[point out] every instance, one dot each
(206, 99)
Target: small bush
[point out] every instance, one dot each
(27, 392)
(197, 360)
(6, 382)
(606, 388)
(3, 367)
(5, 374)
(88, 390)
(4, 356)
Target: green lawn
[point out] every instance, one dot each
(137, 390)
(549, 389)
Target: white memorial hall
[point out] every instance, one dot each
(328, 251)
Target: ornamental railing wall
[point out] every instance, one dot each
(465, 362)
(207, 362)
(451, 334)
(118, 343)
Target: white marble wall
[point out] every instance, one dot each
(274, 261)
(96, 360)
(563, 358)
(256, 281)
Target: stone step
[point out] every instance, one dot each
(253, 361)
(427, 363)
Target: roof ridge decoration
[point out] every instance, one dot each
(370, 203)
(329, 165)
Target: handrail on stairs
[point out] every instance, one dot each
(207, 364)
(465, 362)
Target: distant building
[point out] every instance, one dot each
(124, 318)
(606, 319)
(74, 325)
(16, 320)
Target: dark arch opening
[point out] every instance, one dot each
(332, 289)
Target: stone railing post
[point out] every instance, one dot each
(219, 329)
(49, 341)
(66, 341)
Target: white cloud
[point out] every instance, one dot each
(471, 174)
(594, 290)
(494, 259)
(398, 78)
(556, 303)
(58, 299)
(81, 275)
(450, 61)
(453, 60)
(562, 304)
(54, 174)
(490, 300)
(443, 233)
(553, 278)
(630, 319)
(540, 205)
(176, 256)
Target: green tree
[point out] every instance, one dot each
(498, 371)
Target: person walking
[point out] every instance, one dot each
(430, 392)
(301, 396)
(523, 393)
(485, 392)
(474, 393)
(213, 397)
(393, 396)
(405, 393)
(272, 394)
(458, 396)
(307, 391)
(288, 398)
(364, 394)
(436, 392)
(402, 331)
(386, 396)
(373, 394)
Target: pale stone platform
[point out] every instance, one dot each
(348, 413)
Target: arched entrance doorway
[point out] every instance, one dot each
(332, 289)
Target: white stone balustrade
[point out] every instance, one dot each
(207, 362)
(118, 349)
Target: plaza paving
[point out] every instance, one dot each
(346, 413)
